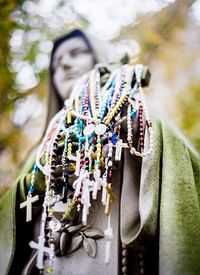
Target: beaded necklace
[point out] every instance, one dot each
(89, 129)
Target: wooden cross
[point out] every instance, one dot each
(118, 151)
(28, 205)
(41, 250)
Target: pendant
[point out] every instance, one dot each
(89, 129)
(28, 205)
(42, 249)
(46, 169)
(55, 225)
(118, 151)
(100, 129)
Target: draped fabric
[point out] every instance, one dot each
(160, 201)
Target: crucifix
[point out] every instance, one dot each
(41, 250)
(118, 151)
(28, 205)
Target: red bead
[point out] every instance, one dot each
(79, 200)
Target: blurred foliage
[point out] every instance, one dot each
(166, 43)
(8, 95)
(6, 25)
(190, 113)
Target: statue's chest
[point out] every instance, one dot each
(82, 250)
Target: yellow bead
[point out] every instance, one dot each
(112, 113)
(107, 121)
(69, 117)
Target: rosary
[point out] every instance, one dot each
(89, 129)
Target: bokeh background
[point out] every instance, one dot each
(163, 34)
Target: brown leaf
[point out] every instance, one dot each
(90, 246)
(75, 244)
(94, 233)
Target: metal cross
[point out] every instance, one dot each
(41, 250)
(28, 205)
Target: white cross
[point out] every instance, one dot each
(97, 184)
(118, 151)
(41, 250)
(28, 205)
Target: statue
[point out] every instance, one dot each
(150, 192)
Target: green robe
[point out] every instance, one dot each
(167, 208)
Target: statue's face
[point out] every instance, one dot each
(71, 60)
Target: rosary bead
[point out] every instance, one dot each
(125, 252)
(141, 271)
(141, 263)
(125, 261)
(124, 269)
(53, 186)
(52, 173)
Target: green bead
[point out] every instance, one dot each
(49, 270)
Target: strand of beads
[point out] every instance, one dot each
(106, 100)
(122, 95)
(98, 101)
(98, 117)
(124, 263)
(148, 121)
(133, 151)
(32, 185)
(114, 97)
(30, 199)
(141, 129)
(65, 164)
(92, 96)
(50, 133)
(129, 127)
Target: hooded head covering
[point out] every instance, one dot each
(101, 50)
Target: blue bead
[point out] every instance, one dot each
(31, 188)
(133, 113)
(81, 123)
(114, 138)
